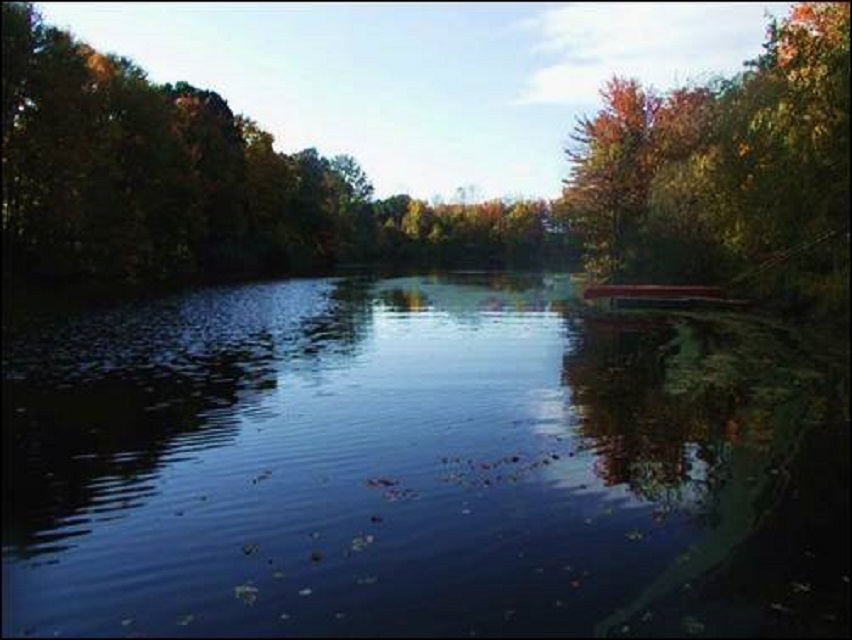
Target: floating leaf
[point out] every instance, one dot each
(277, 574)
(186, 620)
(305, 592)
(127, 622)
(692, 626)
(780, 608)
(359, 543)
(367, 580)
(801, 587)
(634, 535)
(249, 549)
(247, 593)
(265, 475)
(376, 483)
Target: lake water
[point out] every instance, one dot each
(457, 454)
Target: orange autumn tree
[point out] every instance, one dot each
(782, 173)
(605, 197)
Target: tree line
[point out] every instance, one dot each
(109, 177)
(743, 181)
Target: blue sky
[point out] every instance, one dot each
(428, 97)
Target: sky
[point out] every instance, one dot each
(428, 97)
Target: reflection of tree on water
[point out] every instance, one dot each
(346, 322)
(750, 401)
(85, 447)
(663, 448)
(91, 449)
(468, 294)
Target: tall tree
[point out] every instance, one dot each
(607, 190)
(217, 156)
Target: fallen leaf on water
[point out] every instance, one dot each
(127, 622)
(277, 574)
(367, 580)
(376, 483)
(634, 535)
(305, 592)
(692, 625)
(247, 593)
(359, 543)
(780, 608)
(249, 549)
(186, 620)
(801, 587)
(284, 616)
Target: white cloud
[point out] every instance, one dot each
(663, 45)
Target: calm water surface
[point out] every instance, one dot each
(454, 455)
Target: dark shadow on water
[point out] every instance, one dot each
(94, 407)
(738, 422)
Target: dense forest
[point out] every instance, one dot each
(111, 178)
(743, 182)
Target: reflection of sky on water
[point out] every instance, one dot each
(517, 440)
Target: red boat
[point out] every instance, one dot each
(659, 291)
(657, 295)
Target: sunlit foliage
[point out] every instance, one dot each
(743, 182)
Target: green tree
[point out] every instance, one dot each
(209, 130)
